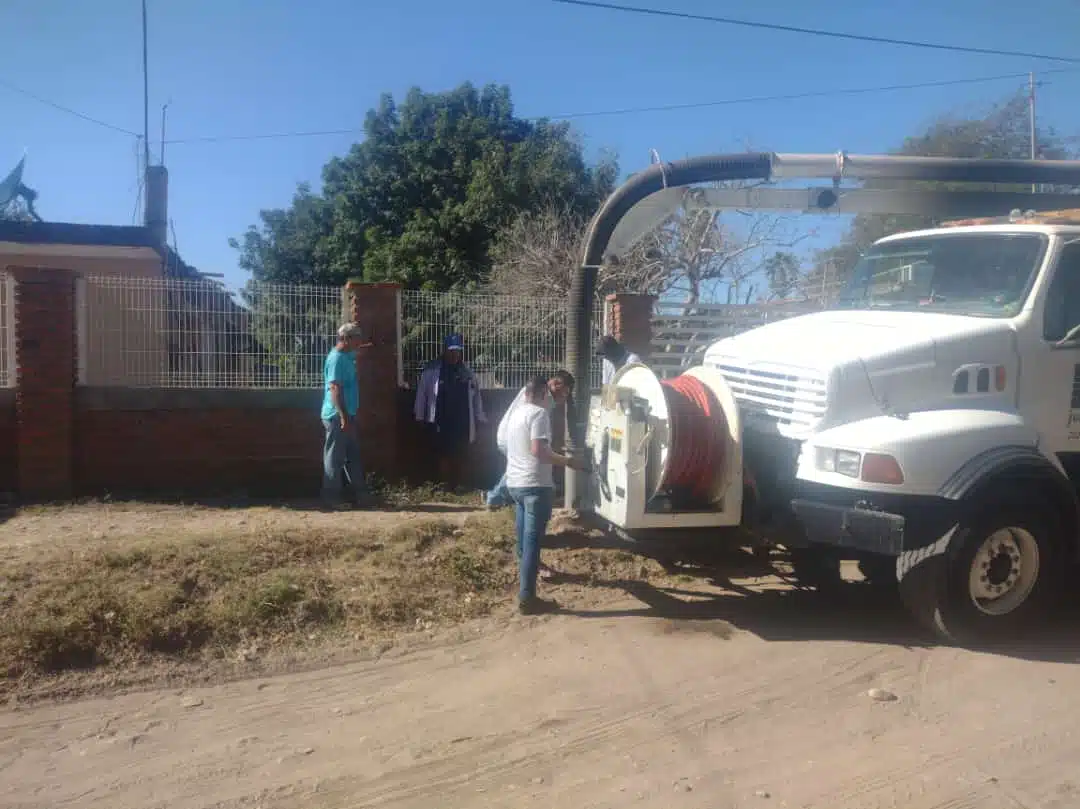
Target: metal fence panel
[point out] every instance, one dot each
(170, 333)
(507, 338)
(682, 332)
(7, 331)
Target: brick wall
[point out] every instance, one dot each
(9, 470)
(44, 380)
(375, 308)
(197, 442)
(631, 321)
(58, 439)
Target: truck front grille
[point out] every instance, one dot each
(791, 396)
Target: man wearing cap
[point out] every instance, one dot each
(341, 400)
(448, 400)
(615, 356)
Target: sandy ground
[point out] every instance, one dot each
(752, 697)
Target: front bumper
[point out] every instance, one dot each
(881, 523)
(857, 528)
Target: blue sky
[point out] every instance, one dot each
(247, 67)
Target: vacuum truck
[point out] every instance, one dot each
(926, 425)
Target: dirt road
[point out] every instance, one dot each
(610, 707)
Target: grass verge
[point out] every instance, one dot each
(182, 596)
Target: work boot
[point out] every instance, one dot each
(534, 605)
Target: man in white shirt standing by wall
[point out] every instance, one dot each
(561, 388)
(529, 461)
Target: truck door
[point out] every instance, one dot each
(1053, 380)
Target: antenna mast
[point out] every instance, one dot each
(1031, 116)
(146, 94)
(164, 108)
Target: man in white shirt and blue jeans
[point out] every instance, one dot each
(561, 388)
(529, 461)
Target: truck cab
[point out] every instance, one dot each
(929, 423)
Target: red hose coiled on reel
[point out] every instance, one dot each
(698, 430)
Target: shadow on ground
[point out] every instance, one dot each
(776, 608)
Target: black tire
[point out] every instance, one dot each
(939, 592)
(817, 567)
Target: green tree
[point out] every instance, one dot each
(1003, 133)
(421, 199)
(291, 246)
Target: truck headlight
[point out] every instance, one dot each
(840, 461)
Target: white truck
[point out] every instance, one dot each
(928, 425)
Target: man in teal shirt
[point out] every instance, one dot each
(341, 400)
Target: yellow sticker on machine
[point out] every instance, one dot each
(615, 433)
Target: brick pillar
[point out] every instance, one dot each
(631, 321)
(44, 381)
(375, 308)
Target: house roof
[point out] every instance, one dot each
(176, 267)
(69, 233)
(78, 234)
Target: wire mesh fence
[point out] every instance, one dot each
(682, 332)
(507, 338)
(7, 331)
(173, 333)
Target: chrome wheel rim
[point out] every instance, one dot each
(1004, 571)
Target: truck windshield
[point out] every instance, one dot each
(977, 274)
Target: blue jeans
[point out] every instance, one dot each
(534, 506)
(341, 461)
(500, 495)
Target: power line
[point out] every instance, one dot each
(807, 95)
(269, 136)
(793, 29)
(68, 110)
(663, 107)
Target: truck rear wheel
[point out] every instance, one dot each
(997, 577)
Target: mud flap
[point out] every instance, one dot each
(923, 577)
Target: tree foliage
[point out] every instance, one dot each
(421, 199)
(1002, 133)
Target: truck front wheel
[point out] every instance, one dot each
(996, 577)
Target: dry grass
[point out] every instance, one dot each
(186, 595)
(403, 495)
(109, 588)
